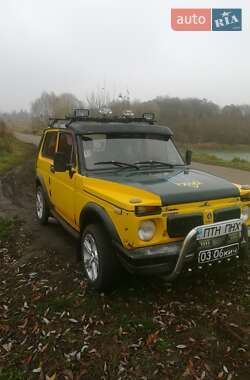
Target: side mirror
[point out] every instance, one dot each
(188, 159)
(60, 163)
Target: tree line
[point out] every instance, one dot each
(192, 120)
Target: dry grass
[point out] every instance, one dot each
(12, 151)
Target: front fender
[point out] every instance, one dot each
(93, 212)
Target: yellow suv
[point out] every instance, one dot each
(122, 188)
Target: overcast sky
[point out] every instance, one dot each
(79, 46)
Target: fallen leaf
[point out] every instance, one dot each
(72, 320)
(152, 338)
(37, 370)
(53, 377)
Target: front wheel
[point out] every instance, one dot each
(42, 211)
(100, 264)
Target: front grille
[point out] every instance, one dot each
(181, 225)
(226, 214)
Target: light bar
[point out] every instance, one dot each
(81, 113)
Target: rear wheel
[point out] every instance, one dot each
(42, 211)
(99, 261)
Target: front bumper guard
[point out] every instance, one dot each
(181, 250)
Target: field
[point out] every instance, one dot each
(12, 151)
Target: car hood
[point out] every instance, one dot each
(176, 186)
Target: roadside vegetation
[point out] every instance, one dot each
(209, 159)
(12, 151)
(193, 121)
(202, 153)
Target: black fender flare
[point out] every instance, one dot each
(40, 181)
(99, 213)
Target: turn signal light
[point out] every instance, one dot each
(147, 210)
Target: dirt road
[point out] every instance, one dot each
(28, 138)
(233, 175)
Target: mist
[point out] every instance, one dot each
(82, 46)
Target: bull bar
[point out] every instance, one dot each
(180, 250)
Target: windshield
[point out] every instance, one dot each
(103, 151)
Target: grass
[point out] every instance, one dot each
(12, 152)
(163, 344)
(12, 374)
(56, 304)
(6, 226)
(200, 155)
(216, 146)
(236, 163)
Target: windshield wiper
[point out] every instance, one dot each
(120, 164)
(153, 162)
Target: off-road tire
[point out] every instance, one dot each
(43, 214)
(109, 267)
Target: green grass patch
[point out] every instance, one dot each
(12, 152)
(57, 304)
(245, 301)
(215, 146)
(236, 163)
(147, 324)
(12, 374)
(163, 344)
(6, 227)
(200, 155)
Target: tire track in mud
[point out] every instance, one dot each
(17, 200)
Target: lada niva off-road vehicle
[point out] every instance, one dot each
(121, 186)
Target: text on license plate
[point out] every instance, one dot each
(218, 229)
(218, 253)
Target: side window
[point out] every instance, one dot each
(49, 145)
(66, 146)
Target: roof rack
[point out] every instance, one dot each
(82, 114)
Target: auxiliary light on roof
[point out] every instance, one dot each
(150, 116)
(81, 113)
(105, 111)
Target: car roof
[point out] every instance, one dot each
(88, 127)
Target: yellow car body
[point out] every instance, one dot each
(77, 198)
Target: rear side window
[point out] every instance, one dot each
(49, 145)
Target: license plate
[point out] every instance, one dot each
(218, 229)
(218, 253)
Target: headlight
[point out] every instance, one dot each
(146, 230)
(245, 214)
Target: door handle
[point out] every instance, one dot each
(52, 169)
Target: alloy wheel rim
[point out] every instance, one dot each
(90, 257)
(39, 204)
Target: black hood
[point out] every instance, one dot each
(176, 186)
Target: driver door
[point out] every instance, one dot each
(64, 183)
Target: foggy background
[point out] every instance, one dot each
(81, 46)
